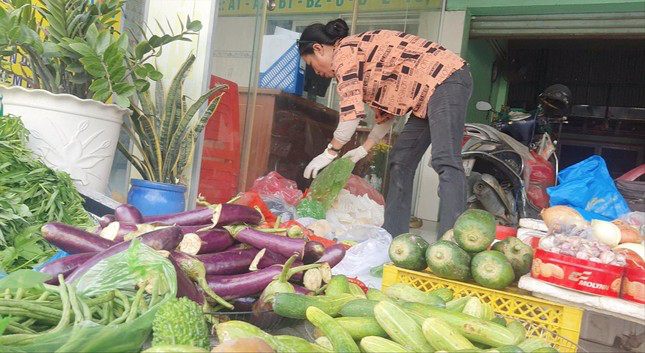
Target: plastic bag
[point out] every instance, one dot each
(311, 208)
(361, 258)
(330, 181)
(588, 188)
(275, 184)
(634, 219)
(279, 207)
(351, 210)
(359, 187)
(122, 271)
(254, 200)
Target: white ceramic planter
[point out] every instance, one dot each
(75, 135)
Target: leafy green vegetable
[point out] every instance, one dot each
(24, 279)
(31, 194)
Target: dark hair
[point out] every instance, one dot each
(319, 33)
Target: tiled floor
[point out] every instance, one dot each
(428, 231)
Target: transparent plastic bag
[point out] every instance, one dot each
(359, 187)
(352, 210)
(330, 181)
(311, 208)
(279, 207)
(121, 271)
(634, 219)
(275, 184)
(361, 258)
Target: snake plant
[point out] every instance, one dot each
(164, 130)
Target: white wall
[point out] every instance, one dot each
(233, 50)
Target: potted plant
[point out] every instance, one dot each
(75, 65)
(164, 131)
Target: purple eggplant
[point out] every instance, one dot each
(161, 239)
(270, 258)
(64, 266)
(115, 231)
(313, 251)
(186, 287)
(229, 262)
(105, 220)
(219, 215)
(206, 242)
(244, 304)
(333, 255)
(301, 290)
(196, 271)
(73, 240)
(195, 229)
(284, 246)
(128, 214)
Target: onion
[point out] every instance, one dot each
(628, 234)
(637, 248)
(558, 217)
(605, 232)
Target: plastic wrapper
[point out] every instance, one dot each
(361, 258)
(309, 207)
(634, 219)
(121, 271)
(279, 207)
(330, 181)
(275, 184)
(359, 187)
(350, 210)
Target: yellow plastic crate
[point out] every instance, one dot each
(562, 322)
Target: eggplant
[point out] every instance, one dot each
(313, 251)
(115, 231)
(64, 266)
(300, 289)
(186, 287)
(73, 240)
(105, 220)
(195, 229)
(270, 258)
(205, 242)
(128, 214)
(218, 215)
(161, 239)
(196, 271)
(244, 304)
(333, 255)
(284, 246)
(229, 262)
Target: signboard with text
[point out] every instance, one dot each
(253, 7)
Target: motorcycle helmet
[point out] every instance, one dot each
(556, 100)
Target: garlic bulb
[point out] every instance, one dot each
(605, 232)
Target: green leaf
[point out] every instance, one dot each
(75, 68)
(122, 101)
(194, 26)
(117, 74)
(95, 69)
(103, 41)
(142, 49)
(24, 279)
(92, 35)
(149, 66)
(155, 41)
(102, 95)
(140, 71)
(83, 49)
(123, 89)
(155, 75)
(4, 322)
(80, 79)
(141, 85)
(99, 85)
(122, 41)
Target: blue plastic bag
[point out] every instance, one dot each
(588, 188)
(58, 255)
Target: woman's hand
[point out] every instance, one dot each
(318, 163)
(356, 154)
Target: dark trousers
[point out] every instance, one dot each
(444, 127)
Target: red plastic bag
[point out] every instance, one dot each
(359, 187)
(275, 184)
(542, 177)
(254, 200)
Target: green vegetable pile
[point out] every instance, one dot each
(31, 194)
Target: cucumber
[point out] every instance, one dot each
(518, 330)
(448, 260)
(481, 345)
(358, 308)
(408, 251)
(492, 270)
(340, 339)
(295, 306)
(360, 327)
(533, 344)
(337, 285)
(545, 350)
(444, 293)
(296, 344)
(356, 291)
(509, 349)
(375, 294)
(474, 308)
(401, 327)
(444, 337)
(475, 230)
(402, 291)
(375, 344)
(518, 253)
(499, 320)
(476, 330)
(487, 312)
(324, 342)
(457, 305)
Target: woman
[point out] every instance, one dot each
(396, 73)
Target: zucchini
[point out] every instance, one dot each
(474, 329)
(443, 337)
(359, 327)
(499, 320)
(296, 344)
(481, 345)
(324, 342)
(457, 305)
(518, 331)
(400, 327)
(474, 308)
(340, 339)
(294, 306)
(446, 294)
(337, 285)
(373, 344)
(545, 350)
(408, 293)
(487, 312)
(375, 294)
(532, 344)
(358, 308)
(232, 330)
(509, 349)
(356, 291)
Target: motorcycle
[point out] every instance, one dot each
(510, 163)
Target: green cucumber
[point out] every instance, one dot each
(337, 285)
(408, 251)
(545, 350)
(518, 331)
(374, 344)
(340, 339)
(358, 308)
(509, 349)
(492, 270)
(402, 328)
(499, 320)
(444, 293)
(457, 305)
(360, 327)
(375, 294)
(475, 230)
(356, 291)
(448, 260)
(532, 344)
(295, 306)
(402, 291)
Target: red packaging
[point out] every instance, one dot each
(503, 232)
(582, 275)
(634, 284)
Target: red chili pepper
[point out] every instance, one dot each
(358, 282)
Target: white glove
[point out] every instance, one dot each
(356, 154)
(317, 164)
